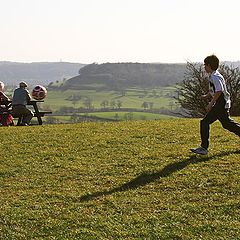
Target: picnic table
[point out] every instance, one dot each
(38, 114)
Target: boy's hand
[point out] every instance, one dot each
(204, 97)
(207, 96)
(214, 100)
(209, 106)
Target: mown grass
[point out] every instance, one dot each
(124, 180)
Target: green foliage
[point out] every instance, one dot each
(125, 180)
(120, 76)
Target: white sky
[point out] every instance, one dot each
(87, 31)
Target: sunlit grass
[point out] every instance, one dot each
(124, 180)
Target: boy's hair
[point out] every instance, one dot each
(213, 61)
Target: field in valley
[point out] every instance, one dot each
(117, 106)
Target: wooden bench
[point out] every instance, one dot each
(38, 114)
(41, 114)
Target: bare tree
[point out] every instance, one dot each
(195, 84)
(232, 77)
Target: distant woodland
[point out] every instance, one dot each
(117, 76)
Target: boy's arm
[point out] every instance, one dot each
(206, 96)
(213, 101)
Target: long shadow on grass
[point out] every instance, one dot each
(149, 177)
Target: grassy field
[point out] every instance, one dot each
(119, 116)
(133, 98)
(133, 115)
(122, 180)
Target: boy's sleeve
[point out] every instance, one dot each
(218, 84)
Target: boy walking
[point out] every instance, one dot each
(218, 107)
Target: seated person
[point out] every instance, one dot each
(20, 99)
(5, 119)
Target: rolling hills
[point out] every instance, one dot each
(11, 73)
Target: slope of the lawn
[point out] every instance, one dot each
(125, 180)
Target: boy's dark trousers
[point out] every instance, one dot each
(218, 112)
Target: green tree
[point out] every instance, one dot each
(113, 104)
(74, 118)
(104, 103)
(88, 103)
(150, 104)
(119, 104)
(128, 116)
(145, 105)
(116, 117)
(154, 93)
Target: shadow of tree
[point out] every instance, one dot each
(148, 177)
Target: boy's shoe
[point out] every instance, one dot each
(199, 150)
(24, 124)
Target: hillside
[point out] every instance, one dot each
(116, 76)
(37, 72)
(107, 76)
(126, 180)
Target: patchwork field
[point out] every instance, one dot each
(130, 98)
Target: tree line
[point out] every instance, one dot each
(118, 76)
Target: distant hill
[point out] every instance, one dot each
(37, 72)
(124, 75)
(95, 76)
(233, 64)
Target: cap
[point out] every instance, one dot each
(22, 84)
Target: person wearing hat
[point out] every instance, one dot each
(21, 97)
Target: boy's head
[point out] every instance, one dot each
(211, 61)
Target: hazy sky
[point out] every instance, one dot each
(87, 31)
